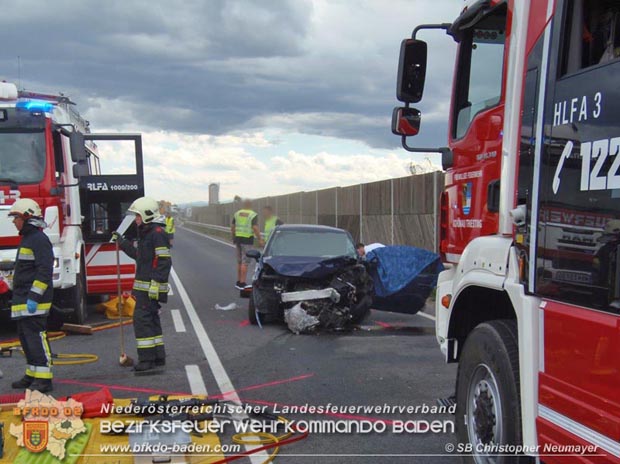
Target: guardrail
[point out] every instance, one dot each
(208, 226)
(213, 227)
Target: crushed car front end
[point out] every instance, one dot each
(325, 286)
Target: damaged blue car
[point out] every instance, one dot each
(311, 276)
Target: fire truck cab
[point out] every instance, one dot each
(529, 226)
(48, 153)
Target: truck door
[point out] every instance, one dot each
(577, 254)
(476, 122)
(104, 198)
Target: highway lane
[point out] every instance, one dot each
(360, 368)
(393, 360)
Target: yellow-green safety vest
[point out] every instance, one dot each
(243, 223)
(270, 224)
(170, 225)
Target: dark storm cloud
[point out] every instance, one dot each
(210, 66)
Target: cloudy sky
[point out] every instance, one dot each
(262, 96)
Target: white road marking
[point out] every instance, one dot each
(428, 316)
(223, 381)
(209, 237)
(217, 368)
(196, 383)
(177, 319)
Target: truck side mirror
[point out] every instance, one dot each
(77, 147)
(80, 170)
(406, 121)
(411, 71)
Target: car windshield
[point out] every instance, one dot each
(22, 156)
(317, 244)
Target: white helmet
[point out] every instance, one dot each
(146, 207)
(26, 209)
(612, 227)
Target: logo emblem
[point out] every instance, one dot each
(35, 435)
(466, 200)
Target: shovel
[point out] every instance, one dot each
(123, 360)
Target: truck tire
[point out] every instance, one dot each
(77, 297)
(252, 311)
(488, 404)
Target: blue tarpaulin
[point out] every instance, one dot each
(404, 277)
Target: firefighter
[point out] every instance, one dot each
(271, 221)
(32, 294)
(153, 263)
(243, 230)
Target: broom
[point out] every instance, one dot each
(123, 360)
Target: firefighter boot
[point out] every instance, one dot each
(42, 385)
(23, 383)
(143, 366)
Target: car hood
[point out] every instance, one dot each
(307, 267)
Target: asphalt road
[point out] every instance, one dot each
(392, 360)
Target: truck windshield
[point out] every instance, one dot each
(311, 244)
(22, 156)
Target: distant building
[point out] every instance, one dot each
(214, 194)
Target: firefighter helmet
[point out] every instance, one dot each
(612, 227)
(146, 207)
(25, 208)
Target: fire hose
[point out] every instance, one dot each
(59, 359)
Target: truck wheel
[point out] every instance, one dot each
(488, 405)
(77, 297)
(252, 311)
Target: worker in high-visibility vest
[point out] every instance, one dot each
(271, 221)
(244, 229)
(170, 228)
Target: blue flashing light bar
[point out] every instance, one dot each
(36, 106)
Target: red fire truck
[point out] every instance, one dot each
(529, 225)
(47, 153)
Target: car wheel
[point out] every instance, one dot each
(361, 310)
(252, 311)
(488, 410)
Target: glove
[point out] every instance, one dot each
(116, 237)
(154, 290)
(31, 305)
